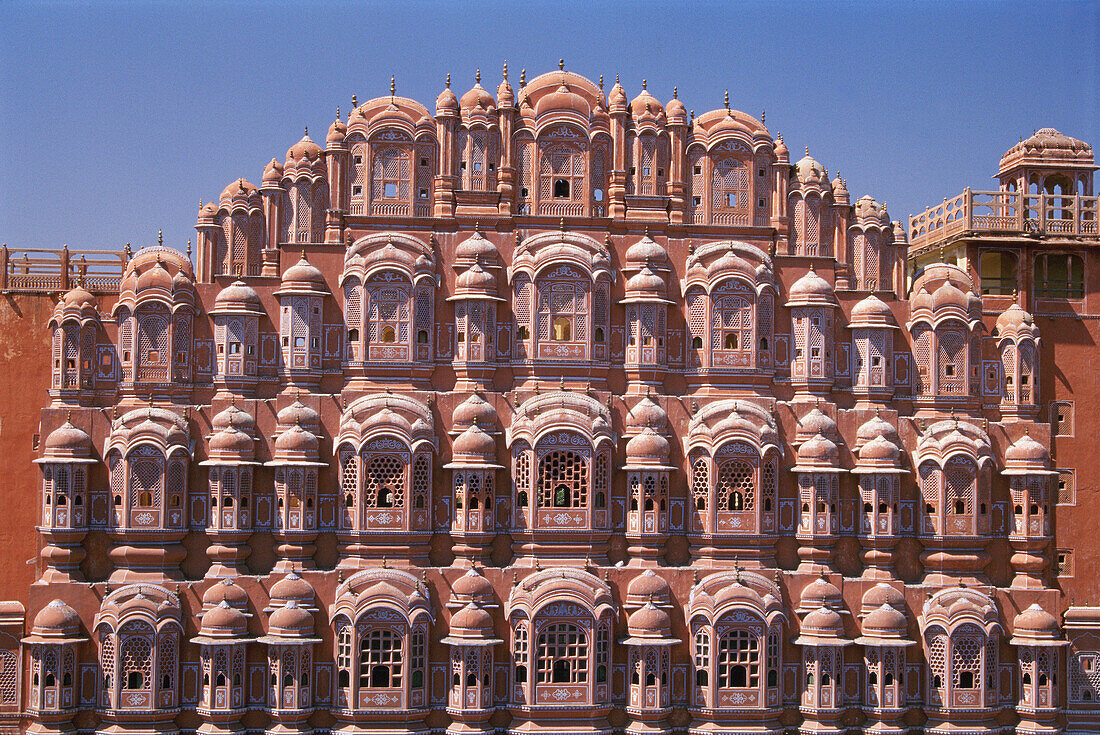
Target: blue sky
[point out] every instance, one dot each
(116, 119)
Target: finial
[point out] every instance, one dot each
(616, 79)
(189, 248)
(160, 237)
(694, 575)
(675, 93)
(727, 99)
(523, 77)
(519, 238)
(563, 224)
(601, 82)
(693, 116)
(561, 64)
(69, 416)
(538, 566)
(646, 233)
(515, 578)
(307, 131)
(393, 86)
(505, 71)
(385, 563)
(477, 76)
(354, 101)
(643, 85)
(337, 112)
(448, 80)
(763, 114)
(561, 383)
(303, 253)
(807, 150)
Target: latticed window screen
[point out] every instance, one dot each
(966, 659)
(136, 657)
(697, 317)
(380, 659)
(700, 482)
(562, 651)
(1027, 372)
(732, 324)
(390, 178)
(561, 163)
(521, 476)
(960, 479)
(922, 353)
(730, 185)
(702, 656)
(738, 659)
(952, 360)
(388, 313)
(563, 480)
(735, 489)
(525, 175)
(146, 482)
(383, 481)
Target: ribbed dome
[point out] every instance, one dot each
(1035, 623)
(811, 289)
(472, 621)
(303, 272)
(297, 441)
(1028, 451)
(649, 621)
(646, 105)
(1014, 318)
(874, 427)
(820, 593)
(870, 312)
(647, 412)
(232, 441)
(291, 621)
(562, 99)
(809, 171)
(225, 591)
(336, 132)
(648, 587)
(237, 296)
(156, 277)
(471, 586)
(647, 250)
(879, 449)
(56, 619)
(304, 149)
(273, 172)
(298, 413)
(235, 417)
(647, 445)
(446, 103)
(292, 588)
(1046, 146)
(80, 298)
(474, 442)
(223, 621)
(476, 248)
(476, 279)
(238, 189)
(474, 409)
(818, 449)
(885, 622)
(813, 423)
(823, 623)
(478, 98)
(879, 595)
(67, 439)
(948, 295)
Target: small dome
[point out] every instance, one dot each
(811, 289)
(840, 189)
(647, 412)
(471, 586)
(1035, 623)
(820, 593)
(476, 279)
(446, 103)
(646, 283)
(1013, 319)
(506, 97)
(476, 248)
(336, 133)
(303, 272)
(818, 450)
(649, 621)
(647, 445)
(813, 423)
(292, 588)
(868, 209)
(474, 442)
(474, 410)
(823, 622)
(647, 251)
(1026, 450)
(239, 189)
(885, 621)
(298, 413)
(809, 171)
(562, 99)
(156, 277)
(304, 149)
(472, 622)
(223, 621)
(67, 439)
(1047, 146)
(477, 99)
(617, 98)
(56, 619)
(291, 621)
(875, 427)
(235, 417)
(297, 441)
(648, 587)
(273, 172)
(871, 311)
(879, 595)
(80, 298)
(237, 296)
(880, 449)
(232, 441)
(675, 110)
(949, 295)
(225, 590)
(781, 148)
(646, 106)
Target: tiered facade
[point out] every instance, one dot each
(554, 411)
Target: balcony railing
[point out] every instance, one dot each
(1008, 212)
(38, 270)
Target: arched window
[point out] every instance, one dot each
(738, 659)
(736, 485)
(384, 481)
(390, 177)
(730, 191)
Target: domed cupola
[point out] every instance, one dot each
(334, 139)
(809, 173)
(446, 104)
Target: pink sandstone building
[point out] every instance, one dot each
(557, 411)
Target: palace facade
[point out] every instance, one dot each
(557, 411)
